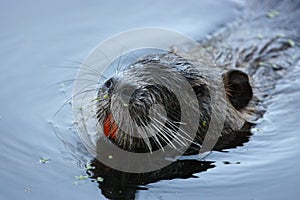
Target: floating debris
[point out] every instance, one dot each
(44, 160)
(280, 35)
(100, 179)
(82, 177)
(272, 14)
(62, 85)
(110, 157)
(291, 43)
(27, 189)
(89, 167)
(228, 162)
(259, 36)
(255, 130)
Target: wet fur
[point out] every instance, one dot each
(201, 79)
(231, 48)
(258, 45)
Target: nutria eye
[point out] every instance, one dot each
(108, 83)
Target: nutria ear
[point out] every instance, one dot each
(238, 88)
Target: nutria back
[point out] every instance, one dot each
(264, 43)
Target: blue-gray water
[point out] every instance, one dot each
(37, 37)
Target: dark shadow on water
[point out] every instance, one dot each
(115, 184)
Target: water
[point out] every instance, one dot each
(38, 37)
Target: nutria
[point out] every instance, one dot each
(137, 87)
(243, 64)
(237, 55)
(251, 55)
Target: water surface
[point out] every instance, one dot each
(38, 37)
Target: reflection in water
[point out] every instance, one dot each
(116, 184)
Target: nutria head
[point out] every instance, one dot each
(140, 108)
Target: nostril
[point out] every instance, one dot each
(199, 90)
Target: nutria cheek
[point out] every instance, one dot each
(110, 127)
